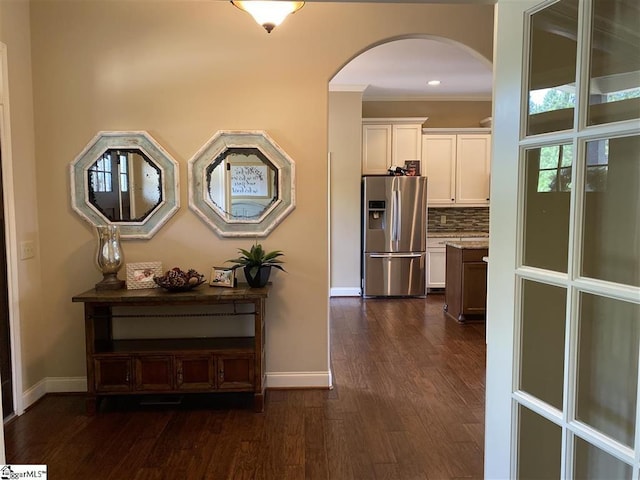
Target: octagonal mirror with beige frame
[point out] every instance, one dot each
(126, 179)
(241, 184)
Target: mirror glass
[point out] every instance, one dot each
(124, 185)
(241, 183)
(127, 179)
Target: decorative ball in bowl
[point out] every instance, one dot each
(177, 280)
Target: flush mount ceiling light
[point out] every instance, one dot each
(269, 14)
(433, 83)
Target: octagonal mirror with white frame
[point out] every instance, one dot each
(241, 184)
(126, 179)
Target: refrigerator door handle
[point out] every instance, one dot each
(395, 209)
(395, 255)
(399, 216)
(393, 216)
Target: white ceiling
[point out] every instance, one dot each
(400, 70)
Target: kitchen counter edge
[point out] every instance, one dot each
(469, 244)
(457, 234)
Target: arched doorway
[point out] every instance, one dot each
(389, 79)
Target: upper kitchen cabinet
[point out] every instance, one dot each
(457, 165)
(473, 169)
(390, 141)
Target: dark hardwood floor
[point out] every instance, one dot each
(408, 403)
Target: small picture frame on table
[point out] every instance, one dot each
(140, 275)
(223, 277)
(412, 167)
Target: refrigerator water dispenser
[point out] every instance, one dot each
(377, 215)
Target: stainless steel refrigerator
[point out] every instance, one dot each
(394, 236)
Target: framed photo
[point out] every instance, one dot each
(412, 167)
(223, 277)
(140, 275)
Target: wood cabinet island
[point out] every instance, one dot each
(466, 281)
(173, 365)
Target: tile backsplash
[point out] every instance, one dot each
(458, 219)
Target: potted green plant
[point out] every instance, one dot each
(257, 264)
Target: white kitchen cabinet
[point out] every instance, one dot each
(376, 149)
(439, 165)
(473, 168)
(436, 261)
(458, 168)
(390, 141)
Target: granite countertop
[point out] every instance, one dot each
(469, 244)
(456, 233)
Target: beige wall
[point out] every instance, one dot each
(19, 166)
(182, 71)
(442, 114)
(345, 146)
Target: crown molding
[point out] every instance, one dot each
(347, 88)
(417, 98)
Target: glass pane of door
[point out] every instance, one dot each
(539, 446)
(543, 330)
(614, 84)
(611, 249)
(547, 200)
(607, 370)
(591, 462)
(552, 76)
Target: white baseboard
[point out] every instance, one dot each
(53, 385)
(299, 380)
(33, 394)
(345, 292)
(66, 384)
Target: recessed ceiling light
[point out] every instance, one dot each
(433, 83)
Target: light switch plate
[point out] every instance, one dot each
(27, 250)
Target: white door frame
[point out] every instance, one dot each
(503, 214)
(11, 238)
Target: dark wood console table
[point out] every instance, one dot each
(172, 365)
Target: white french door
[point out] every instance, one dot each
(563, 310)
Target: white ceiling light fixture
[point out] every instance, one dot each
(269, 14)
(433, 83)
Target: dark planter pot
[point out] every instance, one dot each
(261, 277)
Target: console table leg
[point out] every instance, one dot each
(91, 403)
(258, 402)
